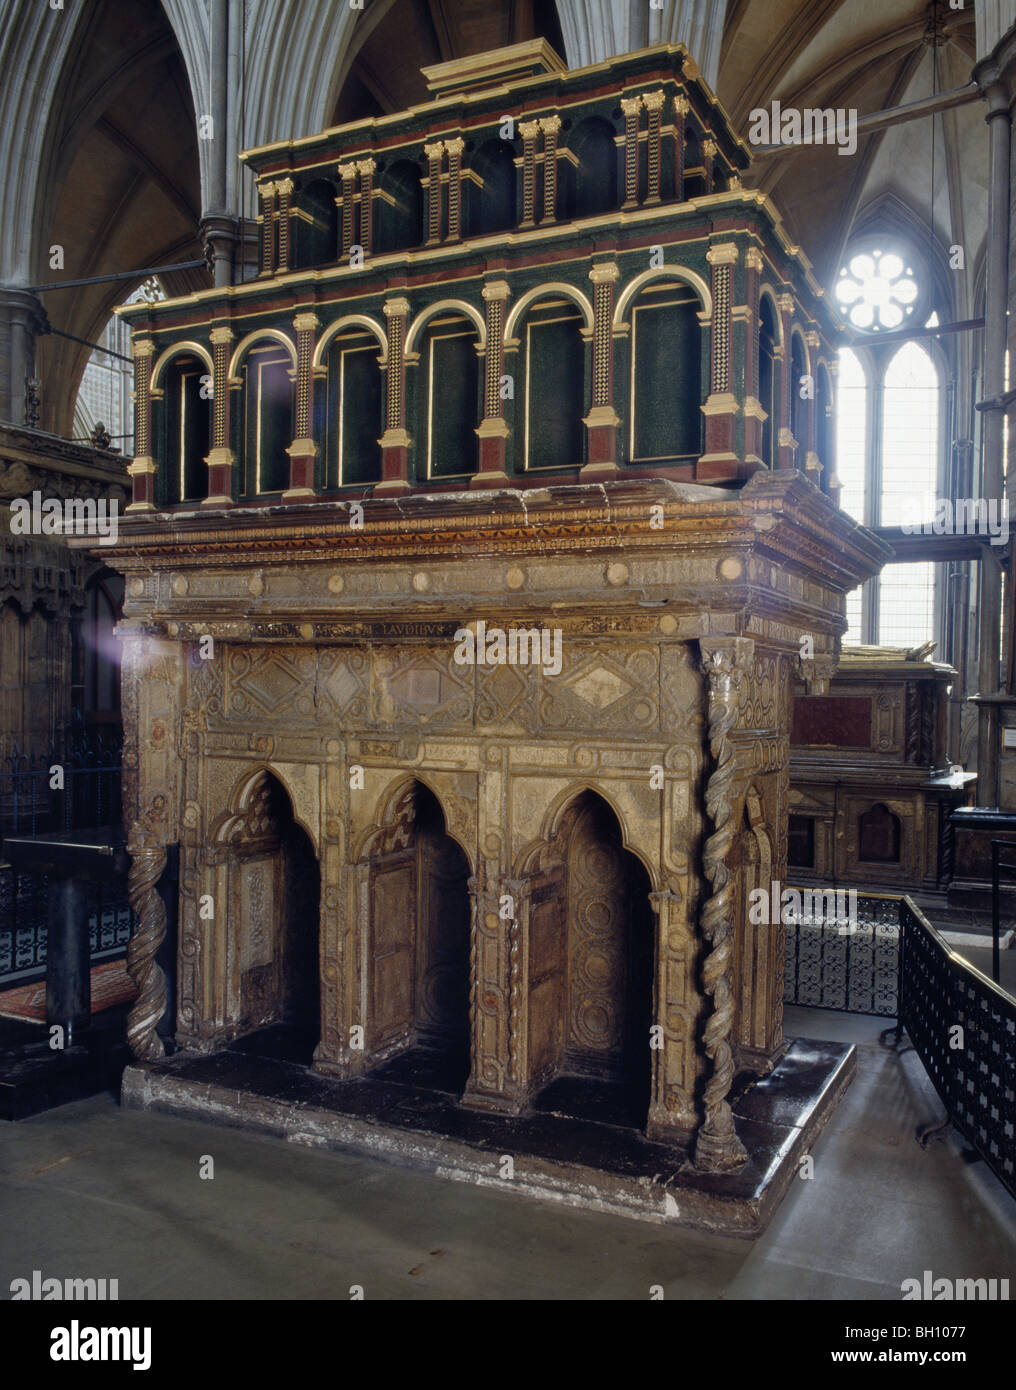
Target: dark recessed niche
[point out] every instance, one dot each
(801, 842)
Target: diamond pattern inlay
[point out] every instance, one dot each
(271, 685)
(600, 687)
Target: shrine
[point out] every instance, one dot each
(525, 360)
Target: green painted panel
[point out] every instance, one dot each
(452, 403)
(362, 425)
(269, 430)
(184, 475)
(665, 411)
(555, 392)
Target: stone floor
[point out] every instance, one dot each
(90, 1190)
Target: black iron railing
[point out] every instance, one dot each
(66, 788)
(24, 903)
(963, 1028)
(853, 967)
(62, 788)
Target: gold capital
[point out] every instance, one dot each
(529, 129)
(347, 172)
(395, 308)
(630, 105)
(753, 258)
(221, 335)
(435, 150)
(496, 289)
(142, 347)
(604, 273)
(284, 187)
(785, 303)
(653, 101)
(455, 146)
(366, 166)
(306, 323)
(709, 148)
(550, 125)
(682, 105)
(726, 253)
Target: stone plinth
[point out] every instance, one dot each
(535, 865)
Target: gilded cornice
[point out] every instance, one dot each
(642, 66)
(781, 515)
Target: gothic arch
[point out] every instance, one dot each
(240, 802)
(177, 350)
(459, 306)
(555, 820)
(36, 46)
(542, 292)
(350, 321)
(670, 272)
(273, 334)
(390, 807)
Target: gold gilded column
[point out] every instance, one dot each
(221, 459)
(754, 414)
(142, 468)
(395, 441)
(434, 155)
(365, 168)
(493, 428)
(347, 173)
(454, 149)
(266, 192)
(602, 420)
(285, 192)
(303, 449)
(719, 461)
(653, 102)
(530, 132)
(550, 125)
(630, 106)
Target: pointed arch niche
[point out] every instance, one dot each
(591, 962)
(267, 888)
(414, 878)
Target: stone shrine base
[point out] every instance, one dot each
(588, 1162)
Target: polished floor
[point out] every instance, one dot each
(89, 1190)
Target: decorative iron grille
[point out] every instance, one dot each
(24, 900)
(856, 969)
(963, 1027)
(90, 761)
(29, 805)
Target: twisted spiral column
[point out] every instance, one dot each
(147, 864)
(717, 1147)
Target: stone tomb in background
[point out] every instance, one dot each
(454, 912)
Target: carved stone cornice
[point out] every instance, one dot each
(777, 514)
